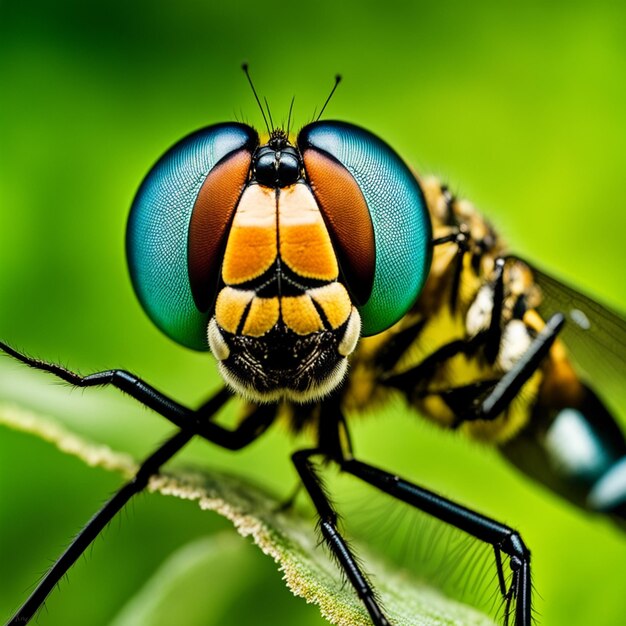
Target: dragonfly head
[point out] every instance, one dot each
(278, 256)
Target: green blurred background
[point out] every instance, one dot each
(521, 109)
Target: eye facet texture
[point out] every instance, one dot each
(402, 233)
(175, 271)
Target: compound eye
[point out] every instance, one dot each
(377, 217)
(178, 226)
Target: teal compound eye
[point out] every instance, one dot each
(377, 217)
(178, 226)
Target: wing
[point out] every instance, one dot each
(595, 336)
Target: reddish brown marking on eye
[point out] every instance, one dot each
(210, 221)
(348, 220)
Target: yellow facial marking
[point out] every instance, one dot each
(262, 316)
(251, 247)
(334, 301)
(230, 306)
(300, 315)
(302, 243)
(305, 244)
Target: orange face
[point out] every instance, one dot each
(281, 277)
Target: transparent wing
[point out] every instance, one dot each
(595, 336)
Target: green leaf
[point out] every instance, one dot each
(203, 576)
(287, 537)
(218, 579)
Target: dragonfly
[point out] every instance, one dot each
(325, 277)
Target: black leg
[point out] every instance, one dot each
(504, 540)
(472, 404)
(328, 526)
(147, 395)
(462, 248)
(494, 334)
(95, 525)
(247, 431)
(445, 239)
(510, 384)
(409, 380)
(484, 400)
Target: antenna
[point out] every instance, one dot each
(244, 67)
(330, 95)
(289, 116)
(267, 106)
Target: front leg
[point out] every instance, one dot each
(197, 422)
(120, 379)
